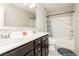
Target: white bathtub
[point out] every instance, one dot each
(70, 44)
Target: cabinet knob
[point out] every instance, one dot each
(39, 42)
(38, 48)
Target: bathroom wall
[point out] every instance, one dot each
(41, 18)
(76, 18)
(16, 32)
(1, 15)
(16, 17)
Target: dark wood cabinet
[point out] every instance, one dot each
(20, 51)
(38, 54)
(37, 42)
(31, 53)
(37, 47)
(45, 46)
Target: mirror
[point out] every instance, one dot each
(18, 15)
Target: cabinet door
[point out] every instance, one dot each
(47, 47)
(31, 53)
(37, 49)
(37, 42)
(43, 48)
(38, 54)
(20, 51)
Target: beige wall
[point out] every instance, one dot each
(16, 17)
(1, 16)
(76, 18)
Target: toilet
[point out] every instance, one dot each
(60, 49)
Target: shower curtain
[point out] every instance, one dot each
(62, 30)
(61, 26)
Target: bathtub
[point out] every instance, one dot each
(70, 44)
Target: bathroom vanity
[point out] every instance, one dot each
(36, 45)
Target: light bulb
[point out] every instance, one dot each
(32, 5)
(25, 3)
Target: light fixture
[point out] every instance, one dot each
(25, 4)
(32, 5)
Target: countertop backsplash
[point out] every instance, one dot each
(16, 33)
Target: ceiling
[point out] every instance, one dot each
(52, 8)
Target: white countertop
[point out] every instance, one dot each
(9, 44)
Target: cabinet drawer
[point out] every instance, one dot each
(37, 41)
(38, 54)
(44, 37)
(37, 49)
(20, 51)
(31, 53)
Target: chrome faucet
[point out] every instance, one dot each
(4, 35)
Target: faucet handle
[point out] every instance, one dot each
(8, 35)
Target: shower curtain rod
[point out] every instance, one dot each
(61, 13)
